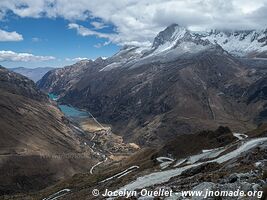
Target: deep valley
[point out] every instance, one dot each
(187, 113)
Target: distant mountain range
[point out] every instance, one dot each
(34, 74)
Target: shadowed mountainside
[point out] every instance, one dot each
(32, 131)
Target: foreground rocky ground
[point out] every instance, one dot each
(239, 163)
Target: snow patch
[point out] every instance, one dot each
(58, 194)
(121, 174)
(240, 136)
(92, 168)
(164, 176)
(238, 43)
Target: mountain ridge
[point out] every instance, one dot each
(143, 92)
(36, 138)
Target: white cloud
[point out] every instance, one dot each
(98, 25)
(115, 38)
(76, 59)
(22, 57)
(83, 31)
(138, 21)
(87, 32)
(99, 45)
(9, 36)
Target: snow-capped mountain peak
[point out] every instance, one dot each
(176, 40)
(251, 43)
(168, 45)
(169, 36)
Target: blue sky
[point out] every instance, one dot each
(52, 37)
(55, 33)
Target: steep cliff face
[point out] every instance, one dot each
(35, 138)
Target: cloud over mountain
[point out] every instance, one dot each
(139, 21)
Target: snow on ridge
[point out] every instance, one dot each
(164, 162)
(240, 136)
(205, 155)
(121, 174)
(111, 66)
(164, 176)
(58, 194)
(175, 41)
(164, 159)
(239, 43)
(179, 33)
(243, 148)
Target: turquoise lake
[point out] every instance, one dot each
(52, 96)
(72, 112)
(69, 111)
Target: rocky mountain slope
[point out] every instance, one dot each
(37, 146)
(34, 74)
(231, 162)
(180, 84)
(62, 79)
